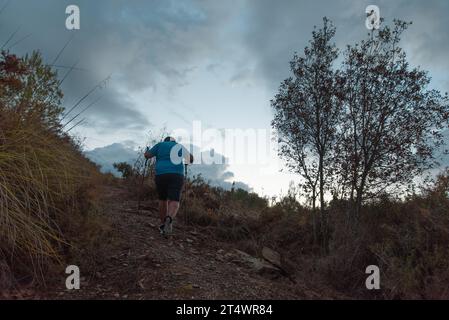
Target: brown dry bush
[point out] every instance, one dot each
(408, 239)
(229, 214)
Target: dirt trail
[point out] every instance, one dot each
(191, 264)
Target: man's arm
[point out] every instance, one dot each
(150, 153)
(188, 157)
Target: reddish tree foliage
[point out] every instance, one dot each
(11, 69)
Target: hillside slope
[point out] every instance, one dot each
(136, 262)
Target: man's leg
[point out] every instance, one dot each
(163, 207)
(174, 195)
(173, 207)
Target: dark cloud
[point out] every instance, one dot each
(158, 45)
(143, 44)
(276, 29)
(114, 112)
(427, 40)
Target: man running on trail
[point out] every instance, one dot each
(169, 178)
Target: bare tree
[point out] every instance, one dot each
(391, 122)
(306, 111)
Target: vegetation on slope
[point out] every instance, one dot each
(46, 185)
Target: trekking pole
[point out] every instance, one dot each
(185, 194)
(141, 184)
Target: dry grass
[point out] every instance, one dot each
(41, 178)
(46, 184)
(408, 240)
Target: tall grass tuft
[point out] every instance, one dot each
(42, 172)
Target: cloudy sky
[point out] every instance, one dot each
(218, 62)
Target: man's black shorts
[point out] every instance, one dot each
(169, 186)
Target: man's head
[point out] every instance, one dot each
(169, 139)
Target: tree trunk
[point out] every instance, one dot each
(315, 238)
(357, 206)
(359, 197)
(324, 222)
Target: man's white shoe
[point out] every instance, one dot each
(168, 225)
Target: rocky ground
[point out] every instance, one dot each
(191, 264)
